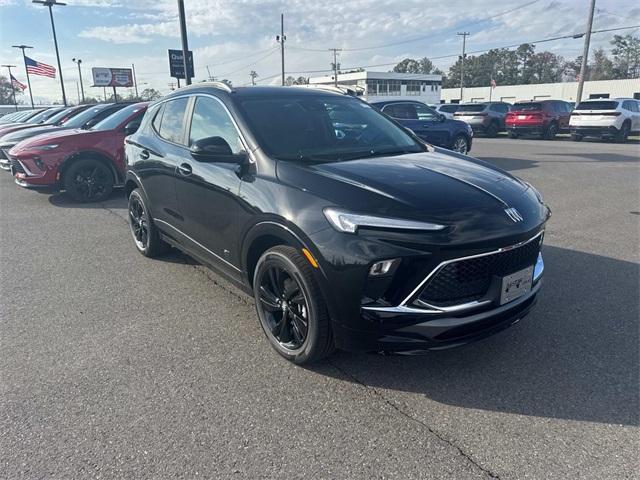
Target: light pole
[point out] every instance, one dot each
(185, 44)
(13, 89)
(281, 39)
(26, 70)
(464, 46)
(585, 52)
(335, 65)
(79, 62)
(51, 3)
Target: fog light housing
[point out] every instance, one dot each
(384, 267)
(39, 163)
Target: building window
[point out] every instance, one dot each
(372, 87)
(413, 87)
(599, 95)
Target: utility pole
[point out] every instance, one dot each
(185, 44)
(79, 62)
(253, 76)
(13, 89)
(585, 52)
(135, 80)
(335, 65)
(464, 47)
(24, 58)
(281, 39)
(51, 3)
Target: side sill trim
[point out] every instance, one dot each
(198, 243)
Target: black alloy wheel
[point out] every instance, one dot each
(460, 144)
(145, 235)
(551, 132)
(492, 130)
(624, 132)
(88, 181)
(290, 306)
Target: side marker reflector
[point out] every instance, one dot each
(312, 260)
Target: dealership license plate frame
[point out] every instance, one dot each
(516, 285)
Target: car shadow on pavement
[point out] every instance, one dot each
(510, 164)
(574, 357)
(116, 200)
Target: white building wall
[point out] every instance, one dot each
(556, 91)
(430, 90)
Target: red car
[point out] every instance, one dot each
(543, 118)
(85, 163)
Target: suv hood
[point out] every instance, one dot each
(20, 135)
(429, 186)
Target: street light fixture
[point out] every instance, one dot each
(79, 62)
(52, 3)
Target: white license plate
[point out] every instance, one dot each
(516, 285)
(521, 117)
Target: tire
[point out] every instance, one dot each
(551, 131)
(513, 135)
(575, 137)
(287, 295)
(492, 130)
(622, 135)
(144, 232)
(460, 144)
(88, 181)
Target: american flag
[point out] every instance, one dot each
(493, 83)
(17, 84)
(37, 68)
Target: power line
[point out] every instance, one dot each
(228, 74)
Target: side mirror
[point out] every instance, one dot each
(441, 117)
(214, 149)
(131, 127)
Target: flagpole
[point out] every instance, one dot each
(24, 58)
(13, 89)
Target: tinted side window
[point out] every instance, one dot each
(157, 118)
(172, 124)
(210, 119)
(426, 113)
(403, 111)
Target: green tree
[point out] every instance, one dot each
(602, 67)
(626, 56)
(409, 65)
(150, 94)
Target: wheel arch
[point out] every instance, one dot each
(86, 155)
(270, 233)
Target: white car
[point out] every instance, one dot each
(605, 118)
(446, 109)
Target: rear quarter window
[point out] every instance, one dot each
(601, 105)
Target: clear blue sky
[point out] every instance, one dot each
(235, 37)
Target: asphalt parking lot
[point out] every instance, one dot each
(116, 366)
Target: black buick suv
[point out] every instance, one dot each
(349, 231)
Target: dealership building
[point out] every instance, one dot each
(387, 85)
(557, 91)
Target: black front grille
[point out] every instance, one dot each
(2, 155)
(468, 280)
(17, 167)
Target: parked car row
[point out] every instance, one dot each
(347, 227)
(80, 149)
(602, 118)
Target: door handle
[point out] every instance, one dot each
(185, 169)
(144, 154)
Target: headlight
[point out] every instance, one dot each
(51, 146)
(349, 222)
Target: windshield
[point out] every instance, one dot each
(604, 105)
(60, 115)
(323, 128)
(79, 120)
(448, 108)
(114, 120)
(474, 107)
(527, 106)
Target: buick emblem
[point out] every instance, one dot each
(514, 214)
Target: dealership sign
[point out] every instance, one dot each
(176, 64)
(112, 77)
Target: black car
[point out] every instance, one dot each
(350, 234)
(429, 125)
